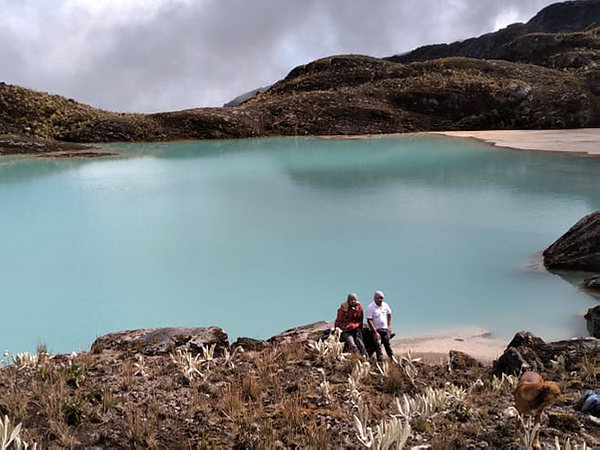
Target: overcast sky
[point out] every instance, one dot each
(159, 55)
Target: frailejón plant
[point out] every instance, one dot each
(188, 365)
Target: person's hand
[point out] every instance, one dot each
(376, 335)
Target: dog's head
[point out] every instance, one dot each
(549, 393)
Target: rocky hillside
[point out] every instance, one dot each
(542, 79)
(197, 392)
(565, 17)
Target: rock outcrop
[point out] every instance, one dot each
(250, 344)
(592, 318)
(578, 249)
(529, 352)
(157, 341)
(312, 331)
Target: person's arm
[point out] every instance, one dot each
(389, 318)
(373, 329)
(340, 321)
(372, 325)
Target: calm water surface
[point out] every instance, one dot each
(257, 236)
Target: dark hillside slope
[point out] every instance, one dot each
(562, 17)
(356, 94)
(339, 95)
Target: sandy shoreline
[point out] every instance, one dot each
(583, 140)
(434, 348)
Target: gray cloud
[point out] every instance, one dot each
(173, 54)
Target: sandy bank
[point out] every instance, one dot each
(475, 342)
(583, 140)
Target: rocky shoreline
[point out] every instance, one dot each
(15, 145)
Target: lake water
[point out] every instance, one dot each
(257, 236)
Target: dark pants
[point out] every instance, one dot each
(385, 340)
(354, 340)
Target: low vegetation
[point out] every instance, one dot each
(290, 395)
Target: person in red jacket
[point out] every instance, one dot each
(350, 321)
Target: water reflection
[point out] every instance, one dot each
(230, 232)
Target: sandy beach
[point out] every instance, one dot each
(582, 140)
(434, 348)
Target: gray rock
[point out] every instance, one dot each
(250, 344)
(592, 283)
(311, 331)
(578, 249)
(592, 319)
(155, 341)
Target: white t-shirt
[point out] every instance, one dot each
(378, 314)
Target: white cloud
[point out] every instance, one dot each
(152, 55)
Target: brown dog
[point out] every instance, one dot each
(532, 395)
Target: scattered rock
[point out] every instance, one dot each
(592, 319)
(156, 341)
(578, 249)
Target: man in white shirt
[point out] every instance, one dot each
(379, 319)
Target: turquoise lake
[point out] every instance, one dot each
(257, 236)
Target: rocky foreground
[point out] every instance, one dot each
(540, 75)
(176, 388)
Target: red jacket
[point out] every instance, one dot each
(349, 318)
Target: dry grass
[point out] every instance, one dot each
(231, 402)
(127, 377)
(268, 399)
(142, 428)
(109, 400)
(394, 383)
(266, 365)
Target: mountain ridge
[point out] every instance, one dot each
(544, 80)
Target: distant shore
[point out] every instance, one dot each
(581, 140)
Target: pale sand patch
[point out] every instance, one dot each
(582, 140)
(434, 348)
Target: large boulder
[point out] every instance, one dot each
(592, 318)
(529, 352)
(578, 249)
(516, 360)
(155, 341)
